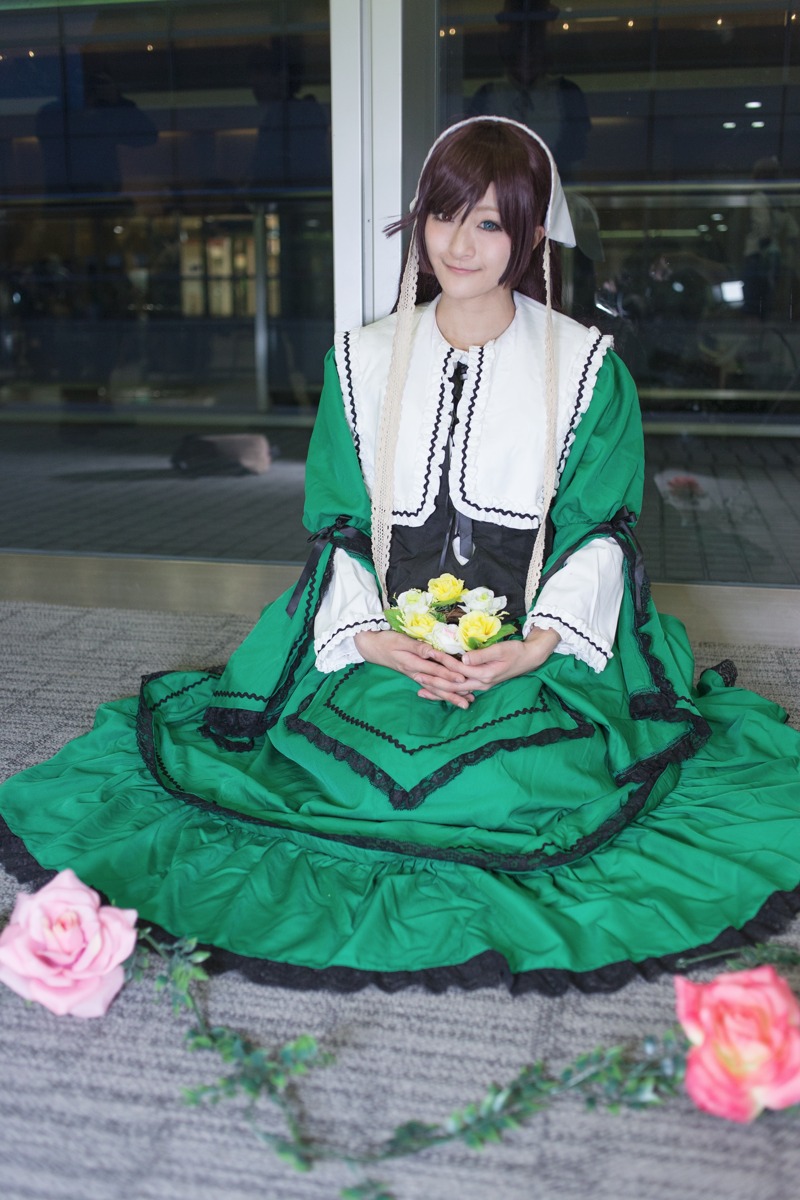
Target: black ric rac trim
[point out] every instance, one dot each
(388, 737)
(426, 485)
(577, 632)
(542, 859)
(356, 625)
(462, 485)
(508, 512)
(351, 399)
(236, 729)
(401, 798)
(562, 458)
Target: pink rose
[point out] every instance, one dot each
(63, 949)
(745, 1030)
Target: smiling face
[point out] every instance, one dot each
(469, 252)
(476, 160)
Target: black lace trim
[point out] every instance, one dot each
(727, 671)
(489, 969)
(403, 512)
(236, 729)
(683, 747)
(360, 548)
(663, 703)
(543, 858)
(233, 729)
(577, 632)
(401, 798)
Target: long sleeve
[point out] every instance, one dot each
(351, 605)
(603, 474)
(581, 602)
(334, 488)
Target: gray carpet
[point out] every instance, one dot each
(92, 1110)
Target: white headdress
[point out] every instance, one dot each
(558, 228)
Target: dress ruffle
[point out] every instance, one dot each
(487, 970)
(241, 851)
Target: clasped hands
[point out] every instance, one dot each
(456, 680)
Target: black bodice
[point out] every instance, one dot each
(496, 557)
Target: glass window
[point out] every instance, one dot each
(675, 131)
(165, 226)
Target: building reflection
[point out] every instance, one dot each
(676, 132)
(165, 237)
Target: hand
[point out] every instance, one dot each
(439, 675)
(505, 660)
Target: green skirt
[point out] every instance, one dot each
(562, 824)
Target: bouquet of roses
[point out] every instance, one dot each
(451, 617)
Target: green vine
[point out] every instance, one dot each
(611, 1078)
(254, 1072)
(760, 954)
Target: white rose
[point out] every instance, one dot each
(414, 601)
(447, 639)
(482, 600)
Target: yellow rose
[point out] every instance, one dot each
(446, 589)
(419, 624)
(478, 627)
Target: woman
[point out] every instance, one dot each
(563, 805)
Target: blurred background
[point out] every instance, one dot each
(168, 258)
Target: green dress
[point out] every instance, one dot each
(571, 824)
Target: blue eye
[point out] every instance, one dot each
(491, 226)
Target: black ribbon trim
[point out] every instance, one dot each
(620, 527)
(340, 530)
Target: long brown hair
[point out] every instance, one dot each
(457, 176)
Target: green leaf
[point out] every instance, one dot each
(370, 1189)
(393, 616)
(286, 1153)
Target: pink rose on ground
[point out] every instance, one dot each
(745, 1030)
(64, 950)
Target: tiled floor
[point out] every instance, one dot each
(716, 509)
(112, 490)
(722, 510)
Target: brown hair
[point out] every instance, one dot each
(458, 175)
